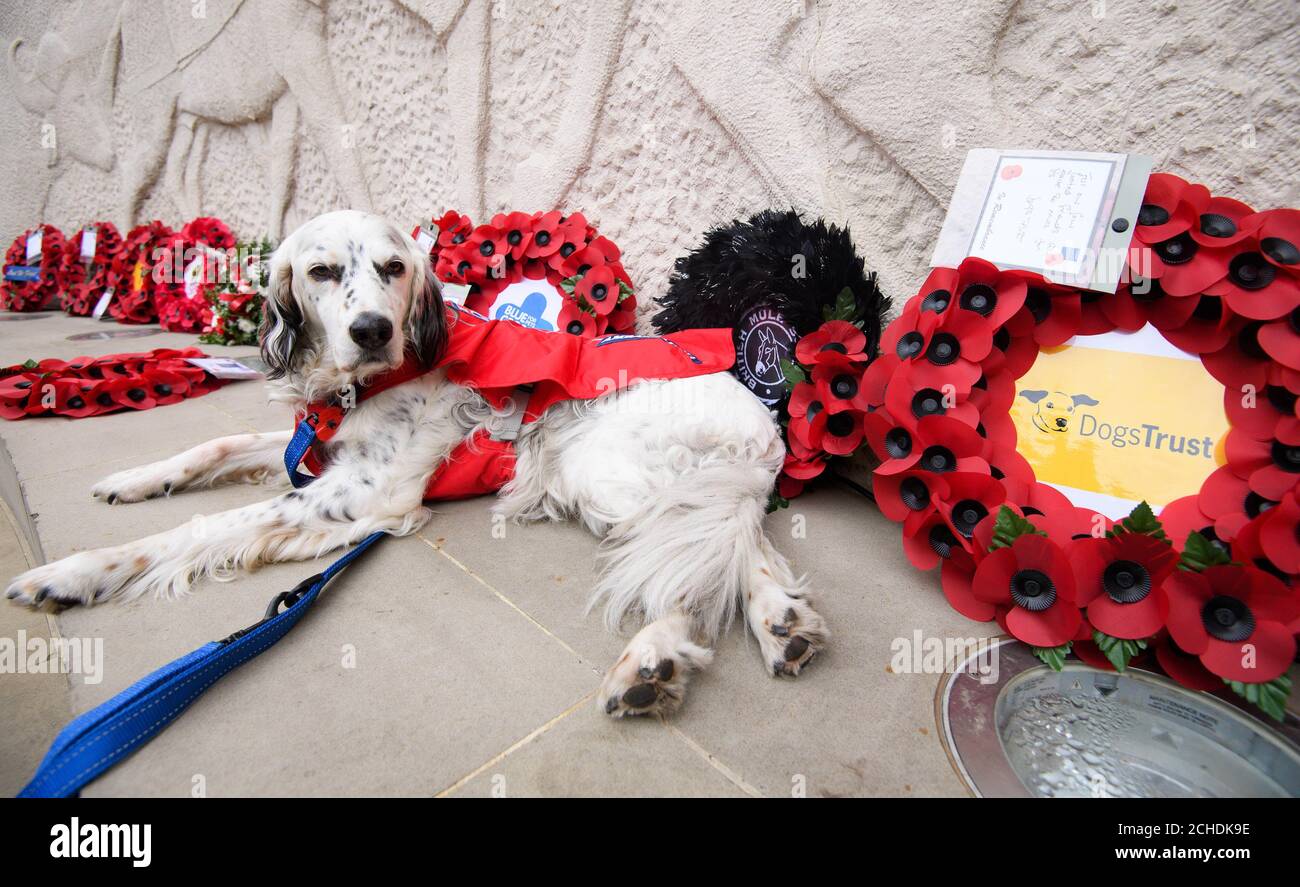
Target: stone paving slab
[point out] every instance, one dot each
(475, 666)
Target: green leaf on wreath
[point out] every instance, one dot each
(844, 309)
(1269, 697)
(1141, 520)
(1200, 553)
(569, 284)
(1053, 657)
(1010, 526)
(794, 374)
(775, 500)
(30, 364)
(624, 291)
(1118, 650)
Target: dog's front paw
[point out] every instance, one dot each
(78, 579)
(135, 484)
(790, 632)
(651, 675)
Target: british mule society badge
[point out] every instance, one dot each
(763, 340)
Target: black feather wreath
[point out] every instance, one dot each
(745, 265)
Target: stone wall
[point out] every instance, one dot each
(657, 119)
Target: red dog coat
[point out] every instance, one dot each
(501, 359)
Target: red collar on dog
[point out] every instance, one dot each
(498, 357)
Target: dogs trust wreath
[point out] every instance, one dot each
(1209, 589)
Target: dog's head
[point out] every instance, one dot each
(349, 296)
(1054, 408)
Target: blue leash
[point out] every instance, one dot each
(101, 737)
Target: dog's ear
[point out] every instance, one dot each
(1084, 400)
(281, 317)
(1033, 396)
(426, 320)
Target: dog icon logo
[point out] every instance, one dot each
(1053, 409)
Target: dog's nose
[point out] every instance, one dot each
(371, 331)
(1060, 423)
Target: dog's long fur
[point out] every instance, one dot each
(673, 475)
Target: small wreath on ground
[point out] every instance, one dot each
(83, 279)
(92, 386)
(132, 275)
(31, 281)
(1208, 590)
(545, 270)
(235, 302)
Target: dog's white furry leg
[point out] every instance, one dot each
(239, 458)
(650, 677)
(297, 525)
(789, 631)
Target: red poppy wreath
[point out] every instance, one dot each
(504, 261)
(91, 386)
(31, 282)
(84, 274)
(132, 274)
(1208, 590)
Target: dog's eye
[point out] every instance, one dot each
(322, 273)
(394, 269)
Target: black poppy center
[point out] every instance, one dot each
(914, 493)
(462, 268)
(928, 402)
(844, 386)
(76, 402)
(966, 514)
(1283, 252)
(1039, 304)
(1151, 214)
(898, 443)
(163, 390)
(487, 248)
(599, 292)
(1255, 504)
(937, 301)
(837, 347)
(1176, 250)
(542, 237)
(813, 409)
(942, 540)
(910, 345)
(1033, 590)
(1286, 457)
(1145, 289)
(980, 298)
(1281, 398)
(1209, 309)
(567, 250)
(575, 327)
(944, 349)
(104, 399)
(458, 238)
(840, 425)
(1251, 272)
(938, 459)
(514, 237)
(1248, 341)
(1127, 582)
(136, 394)
(1227, 619)
(1217, 225)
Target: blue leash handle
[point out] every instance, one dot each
(303, 437)
(101, 737)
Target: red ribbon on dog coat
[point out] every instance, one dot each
(499, 357)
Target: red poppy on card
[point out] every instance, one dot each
(1032, 586)
(1170, 206)
(832, 337)
(1182, 666)
(1235, 619)
(599, 289)
(1270, 467)
(1120, 582)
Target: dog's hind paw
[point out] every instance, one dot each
(790, 632)
(651, 675)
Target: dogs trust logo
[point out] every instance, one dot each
(763, 340)
(1053, 410)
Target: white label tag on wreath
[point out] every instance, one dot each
(425, 239)
(532, 303)
(454, 292)
(225, 367)
(1067, 215)
(34, 246)
(89, 239)
(102, 305)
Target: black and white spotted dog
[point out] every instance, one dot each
(673, 475)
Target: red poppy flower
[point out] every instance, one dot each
(909, 402)
(546, 238)
(1142, 301)
(576, 321)
(1224, 222)
(993, 396)
(1281, 340)
(1241, 361)
(1182, 517)
(1047, 508)
(1170, 206)
(937, 444)
(1183, 266)
(1208, 329)
(933, 542)
(1182, 666)
(1120, 582)
(572, 236)
(801, 466)
(1235, 619)
(1230, 501)
(832, 337)
(950, 352)
(1271, 467)
(957, 581)
(599, 289)
(817, 428)
(968, 500)
(486, 248)
(1279, 534)
(1032, 588)
(977, 287)
(1056, 311)
(1254, 285)
(838, 381)
(518, 228)
(209, 231)
(1090, 654)
(908, 497)
(1014, 347)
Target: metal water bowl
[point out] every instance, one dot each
(1027, 731)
